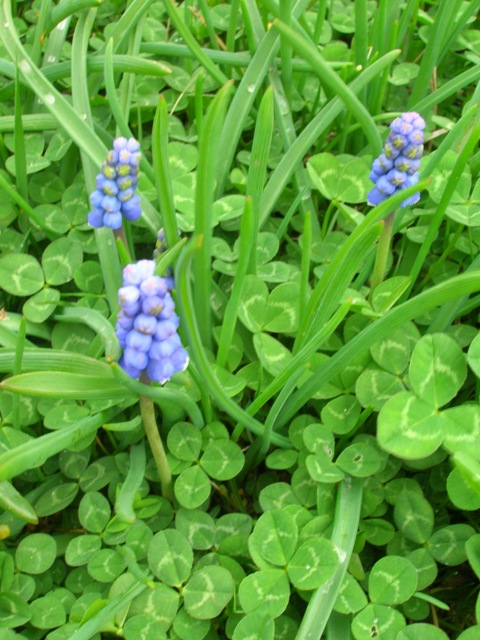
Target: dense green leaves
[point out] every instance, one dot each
(315, 472)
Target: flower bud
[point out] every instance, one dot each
(147, 325)
(114, 197)
(397, 167)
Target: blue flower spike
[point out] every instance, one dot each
(114, 198)
(397, 167)
(147, 325)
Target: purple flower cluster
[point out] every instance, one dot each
(115, 197)
(397, 167)
(147, 325)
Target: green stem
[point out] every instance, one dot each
(156, 445)
(383, 249)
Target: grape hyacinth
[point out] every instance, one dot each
(115, 197)
(397, 167)
(147, 325)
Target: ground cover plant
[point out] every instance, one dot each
(239, 292)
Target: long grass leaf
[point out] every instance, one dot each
(208, 164)
(107, 252)
(245, 95)
(12, 501)
(42, 359)
(294, 156)
(209, 66)
(344, 534)
(455, 287)
(161, 170)
(55, 384)
(438, 35)
(34, 453)
(246, 246)
(126, 495)
(331, 80)
(91, 627)
(262, 140)
(189, 323)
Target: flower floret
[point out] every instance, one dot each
(397, 167)
(147, 325)
(114, 197)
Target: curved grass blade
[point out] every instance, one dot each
(185, 304)
(262, 140)
(455, 287)
(235, 59)
(19, 144)
(439, 34)
(344, 534)
(333, 81)
(31, 122)
(126, 496)
(72, 386)
(55, 102)
(161, 171)
(104, 616)
(13, 502)
(294, 156)
(17, 368)
(246, 244)
(34, 453)
(96, 321)
(336, 278)
(437, 217)
(245, 95)
(193, 45)
(108, 257)
(38, 359)
(67, 8)
(122, 63)
(298, 362)
(208, 163)
(168, 257)
(38, 34)
(128, 21)
(25, 206)
(449, 311)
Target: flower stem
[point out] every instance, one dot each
(382, 253)
(156, 445)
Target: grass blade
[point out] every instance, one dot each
(193, 45)
(450, 289)
(331, 80)
(246, 244)
(162, 173)
(262, 140)
(294, 155)
(126, 496)
(189, 323)
(34, 453)
(208, 163)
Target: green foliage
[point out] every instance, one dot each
(315, 472)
